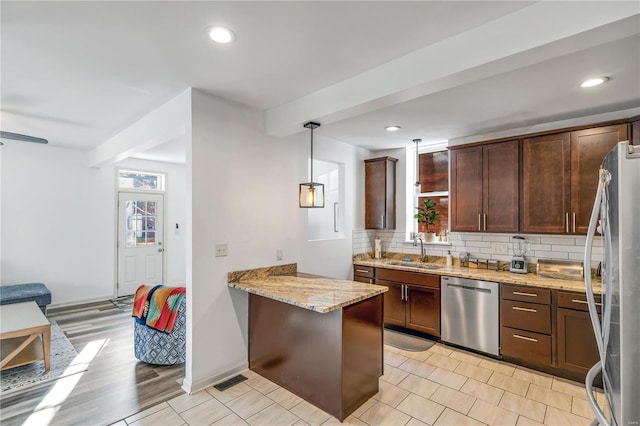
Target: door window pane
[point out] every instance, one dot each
(140, 223)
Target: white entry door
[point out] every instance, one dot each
(140, 249)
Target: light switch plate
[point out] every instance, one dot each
(221, 250)
(279, 254)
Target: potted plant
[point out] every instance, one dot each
(428, 215)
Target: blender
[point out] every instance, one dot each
(520, 247)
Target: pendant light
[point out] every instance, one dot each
(418, 188)
(311, 193)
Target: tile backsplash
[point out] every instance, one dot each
(482, 245)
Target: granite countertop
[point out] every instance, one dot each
(317, 294)
(484, 275)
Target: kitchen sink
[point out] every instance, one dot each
(415, 265)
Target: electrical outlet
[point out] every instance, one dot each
(279, 254)
(221, 250)
(501, 248)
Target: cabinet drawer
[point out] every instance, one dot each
(577, 301)
(408, 277)
(363, 279)
(526, 316)
(526, 294)
(363, 271)
(526, 345)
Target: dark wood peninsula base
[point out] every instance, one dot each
(333, 360)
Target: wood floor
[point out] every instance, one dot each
(115, 386)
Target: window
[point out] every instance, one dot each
(141, 223)
(434, 183)
(130, 179)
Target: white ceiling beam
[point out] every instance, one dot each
(164, 124)
(459, 60)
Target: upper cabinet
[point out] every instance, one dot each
(434, 171)
(380, 193)
(635, 131)
(560, 177)
(484, 193)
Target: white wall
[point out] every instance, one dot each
(58, 221)
(331, 258)
(243, 186)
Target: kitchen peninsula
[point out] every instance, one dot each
(320, 338)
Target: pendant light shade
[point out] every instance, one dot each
(418, 187)
(311, 193)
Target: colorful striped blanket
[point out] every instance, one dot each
(157, 306)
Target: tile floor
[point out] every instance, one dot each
(440, 386)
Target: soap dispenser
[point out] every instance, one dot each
(449, 259)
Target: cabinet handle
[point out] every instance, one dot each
(520, 293)
(402, 292)
(484, 216)
(518, 308)
(406, 293)
(584, 302)
(382, 221)
(370, 280)
(528, 339)
(566, 222)
(574, 222)
(479, 228)
(362, 270)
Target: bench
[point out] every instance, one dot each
(18, 293)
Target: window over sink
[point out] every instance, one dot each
(434, 184)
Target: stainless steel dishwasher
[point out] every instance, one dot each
(471, 314)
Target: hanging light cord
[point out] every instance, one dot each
(417, 141)
(311, 178)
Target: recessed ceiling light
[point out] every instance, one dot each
(594, 81)
(392, 128)
(221, 35)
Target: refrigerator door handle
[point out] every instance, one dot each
(587, 264)
(591, 375)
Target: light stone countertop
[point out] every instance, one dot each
(505, 277)
(317, 294)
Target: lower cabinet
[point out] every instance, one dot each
(548, 330)
(413, 300)
(577, 347)
(526, 324)
(363, 274)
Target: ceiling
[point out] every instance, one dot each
(78, 73)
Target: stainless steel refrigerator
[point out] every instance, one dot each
(616, 215)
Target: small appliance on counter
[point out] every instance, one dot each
(520, 247)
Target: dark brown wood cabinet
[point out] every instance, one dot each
(635, 131)
(525, 332)
(560, 176)
(380, 193)
(485, 188)
(363, 274)
(576, 342)
(434, 171)
(413, 300)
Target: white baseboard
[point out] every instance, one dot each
(198, 385)
(80, 302)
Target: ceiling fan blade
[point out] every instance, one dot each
(24, 138)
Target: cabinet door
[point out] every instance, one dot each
(393, 303)
(423, 309)
(546, 165)
(434, 171)
(501, 187)
(577, 347)
(588, 149)
(465, 199)
(380, 193)
(635, 132)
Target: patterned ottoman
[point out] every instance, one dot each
(161, 348)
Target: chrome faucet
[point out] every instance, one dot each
(415, 243)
